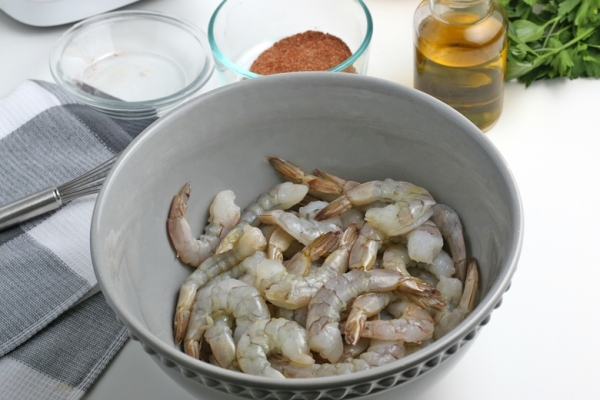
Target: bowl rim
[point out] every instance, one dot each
(248, 74)
(117, 106)
(472, 323)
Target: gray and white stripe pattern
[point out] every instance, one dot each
(47, 138)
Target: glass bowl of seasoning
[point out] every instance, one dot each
(252, 38)
(132, 64)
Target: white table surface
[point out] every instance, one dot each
(544, 341)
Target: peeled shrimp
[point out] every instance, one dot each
(224, 215)
(279, 242)
(303, 230)
(449, 318)
(403, 216)
(251, 241)
(324, 335)
(220, 338)
(412, 324)
(362, 308)
(379, 353)
(449, 224)
(282, 196)
(297, 315)
(266, 336)
(290, 291)
(388, 191)
(396, 258)
(424, 242)
(364, 251)
(231, 297)
(301, 262)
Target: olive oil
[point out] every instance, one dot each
(460, 56)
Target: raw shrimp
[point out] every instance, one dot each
(248, 267)
(412, 324)
(220, 338)
(388, 191)
(251, 241)
(303, 230)
(282, 196)
(290, 291)
(449, 224)
(324, 335)
(352, 351)
(231, 297)
(279, 242)
(402, 216)
(379, 353)
(424, 242)
(449, 318)
(396, 258)
(364, 251)
(294, 173)
(363, 307)
(342, 183)
(224, 215)
(275, 335)
(298, 315)
(301, 262)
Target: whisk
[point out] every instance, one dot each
(53, 197)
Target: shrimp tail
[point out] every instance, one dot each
(336, 207)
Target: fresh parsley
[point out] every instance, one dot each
(552, 39)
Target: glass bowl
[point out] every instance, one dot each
(241, 30)
(132, 64)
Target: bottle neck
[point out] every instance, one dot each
(461, 12)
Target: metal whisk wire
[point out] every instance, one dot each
(53, 197)
(88, 183)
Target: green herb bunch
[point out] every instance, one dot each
(552, 39)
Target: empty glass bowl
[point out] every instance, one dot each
(132, 64)
(240, 30)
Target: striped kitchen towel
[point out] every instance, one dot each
(56, 332)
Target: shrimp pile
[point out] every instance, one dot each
(320, 275)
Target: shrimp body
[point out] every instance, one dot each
(448, 222)
(324, 335)
(424, 243)
(388, 191)
(251, 241)
(231, 297)
(412, 324)
(275, 335)
(402, 216)
(220, 338)
(290, 291)
(449, 318)
(279, 242)
(303, 230)
(364, 251)
(364, 307)
(301, 262)
(224, 215)
(282, 196)
(378, 353)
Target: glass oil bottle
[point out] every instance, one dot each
(460, 56)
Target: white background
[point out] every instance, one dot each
(543, 342)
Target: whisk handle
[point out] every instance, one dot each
(29, 207)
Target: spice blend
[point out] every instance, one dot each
(307, 51)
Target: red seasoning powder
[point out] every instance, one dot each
(308, 51)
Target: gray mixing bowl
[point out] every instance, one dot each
(352, 126)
